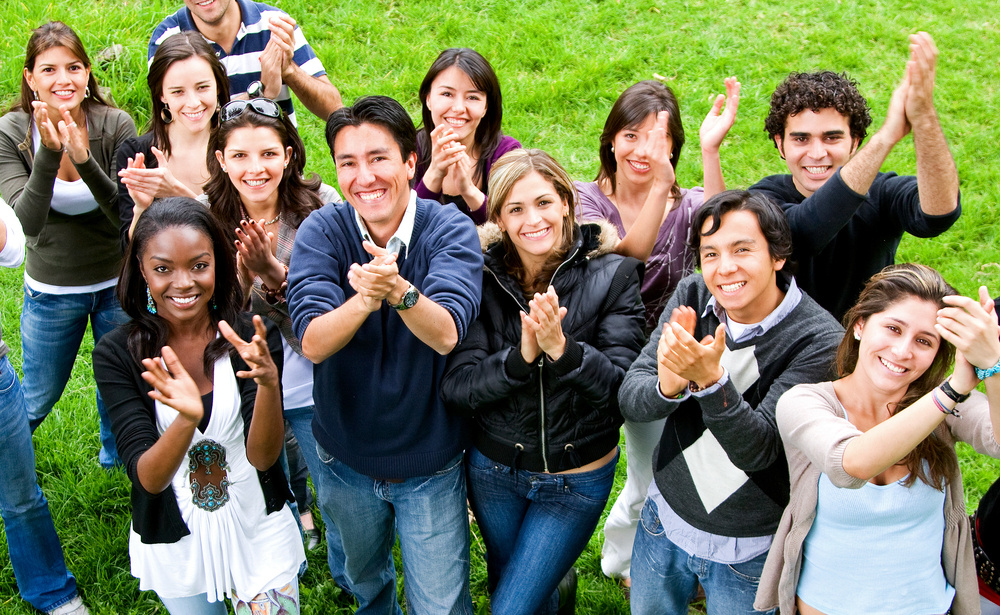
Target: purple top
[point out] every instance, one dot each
(670, 260)
(478, 216)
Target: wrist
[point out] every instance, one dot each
(395, 296)
(704, 382)
(989, 371)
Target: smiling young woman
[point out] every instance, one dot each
(462, 109)
(188, 86)
(875, 482)
(57, 169)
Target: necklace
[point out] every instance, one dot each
(246, 216)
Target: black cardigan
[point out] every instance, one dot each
(156, 516)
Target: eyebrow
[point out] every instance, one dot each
(828, 133)
(371, 152)
(164, 259)
(739, 242)
(932, 334)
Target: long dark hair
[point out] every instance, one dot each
(488, 133)
(297, 196)
(893, 284)
(45, 37)
(631, 109)
(149, 332)
(177, 48)
(510, 169)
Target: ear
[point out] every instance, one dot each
(218, 156)
(288, 155)
(411, 165)
(859, 327)
(778, 264)
(855, 146)
(29, 78)
(779, 142)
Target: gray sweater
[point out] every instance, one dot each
(65, 250)
(741, 490)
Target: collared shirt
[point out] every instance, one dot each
(713, 547)
(400, 239)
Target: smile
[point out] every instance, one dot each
(729, 288)
(817, 170)
(374, 195)
(255, 183)
(194, 116)
(183, 301)
(642, 167)
(456, 122)
(64, 93)
(537, 234)
(892, 367)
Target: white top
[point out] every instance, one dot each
(236, 547)
(70, 198)
(296, 379)
(12, 254)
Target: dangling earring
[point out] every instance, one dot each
(166, 115)
(35, 94)
(86, 92)
(211, 304)
(150, 306)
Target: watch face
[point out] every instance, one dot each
(410, 298)
(255, 89)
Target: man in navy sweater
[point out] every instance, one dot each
(846, 217)
(381, 288)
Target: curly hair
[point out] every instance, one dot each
(817, 91)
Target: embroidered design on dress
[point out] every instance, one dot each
(208, 475)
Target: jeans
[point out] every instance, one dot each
(34, 548)
(665, 577)
(300, 420)
(535, 526)
(194, 605)
(430, 517)
(52, 328)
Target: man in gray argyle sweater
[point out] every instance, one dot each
(731, 340)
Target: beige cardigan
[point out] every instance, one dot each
(815, 433)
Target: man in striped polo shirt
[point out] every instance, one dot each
(257, 43)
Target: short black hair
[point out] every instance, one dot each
(817, 91)
(770, 218)
(381, 111)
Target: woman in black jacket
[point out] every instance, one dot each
(560, 323)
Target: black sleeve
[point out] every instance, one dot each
(128, 150)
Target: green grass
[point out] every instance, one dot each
(562, 64)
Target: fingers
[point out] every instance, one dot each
(732, 98)
(662, 119)
(231, 335)
(161, 158)
(374, 250)
(716, 109)
(685, 316)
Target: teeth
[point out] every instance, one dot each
(817, 170)
(639, 166)
(184, 300)
(254, 183)
(63, 92)
(536, 234)
(195, 115)
(892, 367)
(455, 121)
(731, 287)
(371, 196)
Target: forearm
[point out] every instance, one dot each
(639, 240)
(711, 163)
(157, 466)
(328, 333)
(474, 197)
(267, 428)
(316, 93)
(104, 189)
(33, 203)
(431, 324)
(937, 177)
(859, 173)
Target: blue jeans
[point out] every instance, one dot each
(52, 327)
(665, 577)
(300, 419)
(535, 526)
(429, 515)
(34, 548)
(194, 605)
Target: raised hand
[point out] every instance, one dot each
(699, 362)
(658, 151)
(971, 326)
(142, 193)
(896, 124)
(529, 344)
(73, 137)
(671, 383)
(157, 182)
(173, 386)
(282, 29)
(272, 67)
(376, 279)
(921, 69)
(46, 129)
(545, 321)
(717, 123)
(255, 352)
(445, 152)
(253, 245)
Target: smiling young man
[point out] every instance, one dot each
(259, 45)
(381, 288)
(730, 341)
(847, 218)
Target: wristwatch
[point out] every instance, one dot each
(255, 90)
(408, 300)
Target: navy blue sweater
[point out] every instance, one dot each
(378, 407)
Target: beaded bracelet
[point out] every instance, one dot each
(983, 374)
(275, 295)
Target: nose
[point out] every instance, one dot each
(533, 215)
(183, 278)
(365, 175)
(255, 165)
(640, 147)
(817, 149)
(458, 104)
(191, 99)
(903, 348)
(727, 264)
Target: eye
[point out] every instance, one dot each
(161, 269)
(445, 94)
(740, 250)
(475, 97)
(204, 87)
(629, 135)
(925, 342)
(705, 255)
(800, 139)
(516, 209)
(200, 266)
(237, 155)
(893, 328)
(346, 164)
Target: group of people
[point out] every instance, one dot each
(466, 326)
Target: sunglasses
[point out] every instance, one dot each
(264, 106)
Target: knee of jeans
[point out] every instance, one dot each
(21, 498)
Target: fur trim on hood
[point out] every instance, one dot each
(607, 238)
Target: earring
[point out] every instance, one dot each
(857, 336)
(224, 169)
(35, 94)
(286, 166)
(211, 304)
(166, 115)
(86, 92)
(150, 306)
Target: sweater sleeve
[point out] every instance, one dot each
(899, 198)
(103, 186)
(125, 203)
(29, 192)
(318, 259)
(454, 278)
(974, 427)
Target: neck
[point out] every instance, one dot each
(224, 32)
(55, 115)
(857, 394)
(182, 138)
(627, 195)
(471, 146)
(268, 210)
(200, 328)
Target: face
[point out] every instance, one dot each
(738, 269)
(454, 100)
(59, 78)
(630, 152)
(533, 218)
(210, 12)
(255, 159)
(814, 146)
(178, 265)
(191, 94)
(898, 345)
(373, 176)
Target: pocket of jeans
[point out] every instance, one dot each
(451, 465)
(8, 378)
(749, 571)
(649, 519)
(324, 457)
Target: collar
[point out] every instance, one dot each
(792, 298)
(400, 240)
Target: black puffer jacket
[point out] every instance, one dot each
(550, 416)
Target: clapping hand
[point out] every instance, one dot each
(255, 352)
(173, 386)
(545, 323)
(718, 121)
(971, 326)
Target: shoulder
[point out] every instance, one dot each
(506, 144)
(821, 321)
(601, 238)
(113, 343)
(814, 390)
(443, 220)
(142, 143)
(691, 198)
(14, 124)
(171, 24)
(778, 186)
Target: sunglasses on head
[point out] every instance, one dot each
(264, 106)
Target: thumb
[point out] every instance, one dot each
(172, 362)
(719, 343)
(161, 158)
(373, 249)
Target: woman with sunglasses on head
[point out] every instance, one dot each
(188, 85)
(196, 407)
(539, 371)
(461, 139)
(636, 190)
(875, 481)
(258, 193)
(57, 169)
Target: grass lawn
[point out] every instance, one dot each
(561, 64)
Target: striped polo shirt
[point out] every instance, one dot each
(243, 61)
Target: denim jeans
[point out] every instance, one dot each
(52, 327)
(665, 577)
(194, 605)
(430, 517)
(535, 526)
(300, 420)
(34, 548)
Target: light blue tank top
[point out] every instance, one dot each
(876, 549)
